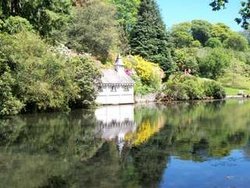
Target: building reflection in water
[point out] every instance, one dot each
(115, 122)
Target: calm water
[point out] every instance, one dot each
(180, 145)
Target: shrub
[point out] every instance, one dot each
(176, 91)
(86, 76)
(236, 42)
(186, 87)
(194, 88)
(182, 87)
(9, 105)
(15, 24)
(213, 64)
(214, 43)
(185, 59)
(141, 89)
(214, 89)
(33, 77)
(147, 75)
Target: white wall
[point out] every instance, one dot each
(116, 97)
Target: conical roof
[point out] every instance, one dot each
(119, 61)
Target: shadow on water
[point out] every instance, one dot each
(127, 146)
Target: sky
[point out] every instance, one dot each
(177, 11)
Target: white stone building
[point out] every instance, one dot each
(117, 87)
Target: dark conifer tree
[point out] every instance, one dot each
(149, 38)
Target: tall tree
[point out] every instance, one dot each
(213, 63)
(236, 42)
(46, 16)
(94, 29)
(201, 30)
(149, 38)
(220, 31)
(126, 14)
(182, 35)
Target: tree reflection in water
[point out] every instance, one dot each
(119, 147)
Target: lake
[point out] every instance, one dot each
(198, 144)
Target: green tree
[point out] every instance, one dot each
(86, 76)
(15, 24)
(34, 77)
(185, 58)
(213, 43)
(213, 64)
(41, 80)
(94, 30)
(182, 35)
(236, 42)
(47, 17)
(149, 38)
(201, 30)
(126, 15)
(220, 31)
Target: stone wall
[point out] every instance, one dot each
(145, 98)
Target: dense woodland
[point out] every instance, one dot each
(52, 52)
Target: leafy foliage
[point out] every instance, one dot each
(213, 89)
(185, 58)
(220, 31)
(201, 30)
(94, 30)
(236, 42)
(86, 76)
(182, 36)
(183, 87)
(214, 43)
(213, 64)
(35, 78)
(15, 24)
(149, 38)
(47, 17)
(126, 15)
(147, 75)
(186, 34)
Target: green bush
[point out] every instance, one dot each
(214, 43)
(140, 88)
(33, 77)
(176, 91)
(85, 77)
(147, 75)
(9, 104)
(214, 62)
(187, 87)
(15, 24)
(214, 89)
(194, 88)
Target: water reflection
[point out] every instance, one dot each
(115, 122)
(179, 145)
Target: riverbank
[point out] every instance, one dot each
(156, 98)
(237, 96)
